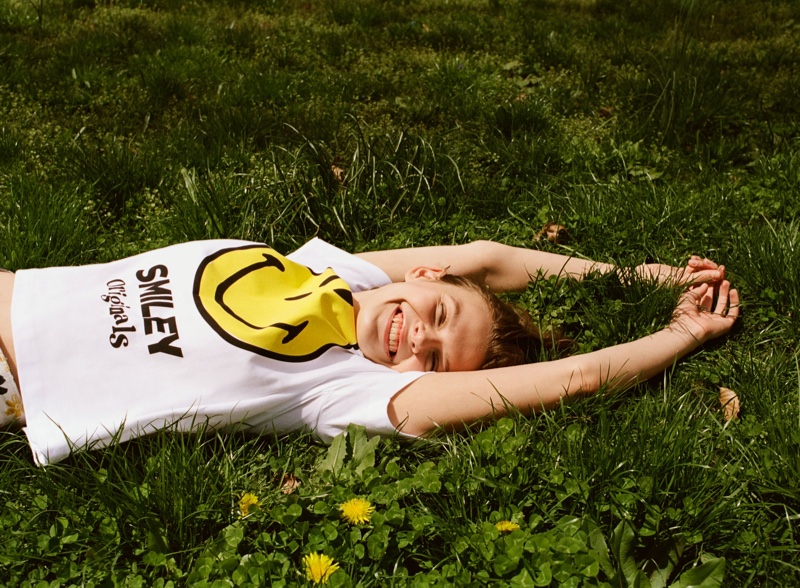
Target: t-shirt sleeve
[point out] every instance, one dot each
(361, 399)
(358, 273)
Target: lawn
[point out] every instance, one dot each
(651, 130)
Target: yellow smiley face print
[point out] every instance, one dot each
(256, 299)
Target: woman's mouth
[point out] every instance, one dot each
(395, 328)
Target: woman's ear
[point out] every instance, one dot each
(428, 273)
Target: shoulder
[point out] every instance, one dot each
(358, 391)
(359, 273)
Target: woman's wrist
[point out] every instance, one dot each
(689, 334)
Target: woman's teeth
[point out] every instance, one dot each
(394, 332)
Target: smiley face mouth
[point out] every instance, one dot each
(259, 301)
(395, 331)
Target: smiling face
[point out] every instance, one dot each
(423, 324)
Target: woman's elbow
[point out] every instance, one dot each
(485, 257)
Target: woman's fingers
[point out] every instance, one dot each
(727, 300)
(697, 290)
(722, 298)
(707, 311)
(704, 276)
(734, 304)
(697, 262)
(700, 270)
(705, 297)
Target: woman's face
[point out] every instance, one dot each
(423, 324)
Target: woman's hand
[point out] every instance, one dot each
(702, 271)
(697, 271)
(699, 315)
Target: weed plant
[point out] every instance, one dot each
(651, 130)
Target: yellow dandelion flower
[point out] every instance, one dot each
(506, 526)
(319, 567)
(246, 502)
(356, 511)
(14, 405)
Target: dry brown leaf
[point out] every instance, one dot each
(289, 484)
(606, 112)
(730, 403)
(338, 173)
(553, 232)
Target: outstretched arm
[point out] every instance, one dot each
(505, 268)
(450, 399)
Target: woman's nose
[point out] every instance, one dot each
(419, 338)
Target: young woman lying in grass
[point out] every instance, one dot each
(231, 334)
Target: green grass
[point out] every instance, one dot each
(651, 129)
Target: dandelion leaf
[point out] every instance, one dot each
(666, 559)
(334, 460)
(350, 453)
(708, 575)
(363, 448)
(622, 544)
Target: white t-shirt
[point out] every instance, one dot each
(228, 333)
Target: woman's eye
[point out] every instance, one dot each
(442, 313)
